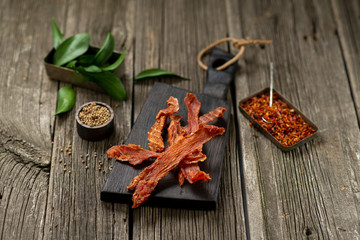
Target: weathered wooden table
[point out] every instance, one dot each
(312, 192)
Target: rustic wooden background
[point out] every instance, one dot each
(312, 192)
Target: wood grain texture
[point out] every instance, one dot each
(347, 18)
(26, 105)
(74, 209)
(311, 192)
(171, 39)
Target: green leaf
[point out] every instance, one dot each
(71, 48)
(92, 69)
(65, 99)
(155, 73)
(58, 37)
(116, 63)
(71, 64)
(107, 81)
(105, 51)
(86, 60)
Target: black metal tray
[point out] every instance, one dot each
(70, 76)
(266, 133)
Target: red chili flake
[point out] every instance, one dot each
(279, 120)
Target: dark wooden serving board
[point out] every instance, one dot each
(168, 192)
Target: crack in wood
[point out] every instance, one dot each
(315, 34)
(352, 91)
(241, 167)
(25, 152)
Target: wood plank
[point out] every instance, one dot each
(169, 35)
(74, 209)
(347, 15)
(311, 192)
(26, 104)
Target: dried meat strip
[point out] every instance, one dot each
(181, 177)
(193, 105)
(156, 142)
(131, 153)
(134, 154)
(172, 108)
(194, 157)
(208, 117)
(190, 170)
(212, 115)
(192, 173)
(147, 180)
(174, 129)
(189, 173)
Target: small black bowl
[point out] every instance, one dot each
(95, 133)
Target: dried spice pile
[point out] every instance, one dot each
(279, 120)
(184, 150)
(94, 115)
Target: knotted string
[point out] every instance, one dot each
(238, 43)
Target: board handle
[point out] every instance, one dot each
(217, 82)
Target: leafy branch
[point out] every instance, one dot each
(71, 53)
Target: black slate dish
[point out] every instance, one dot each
(95, 133)
(266, 133)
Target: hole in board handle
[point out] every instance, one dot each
(218, 62)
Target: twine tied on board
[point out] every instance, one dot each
(238, 43)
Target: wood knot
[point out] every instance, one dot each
(310, 233)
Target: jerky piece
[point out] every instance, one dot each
(174, 129)
(191, 170)
(134, 154)
(208, 117)
(212, 115)
(156, 142)
(186, 165)
(181, 177)
(131, 153)
(193, 105)
(192, 173)
(147, 180)
(172, 108)
(194, 157)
